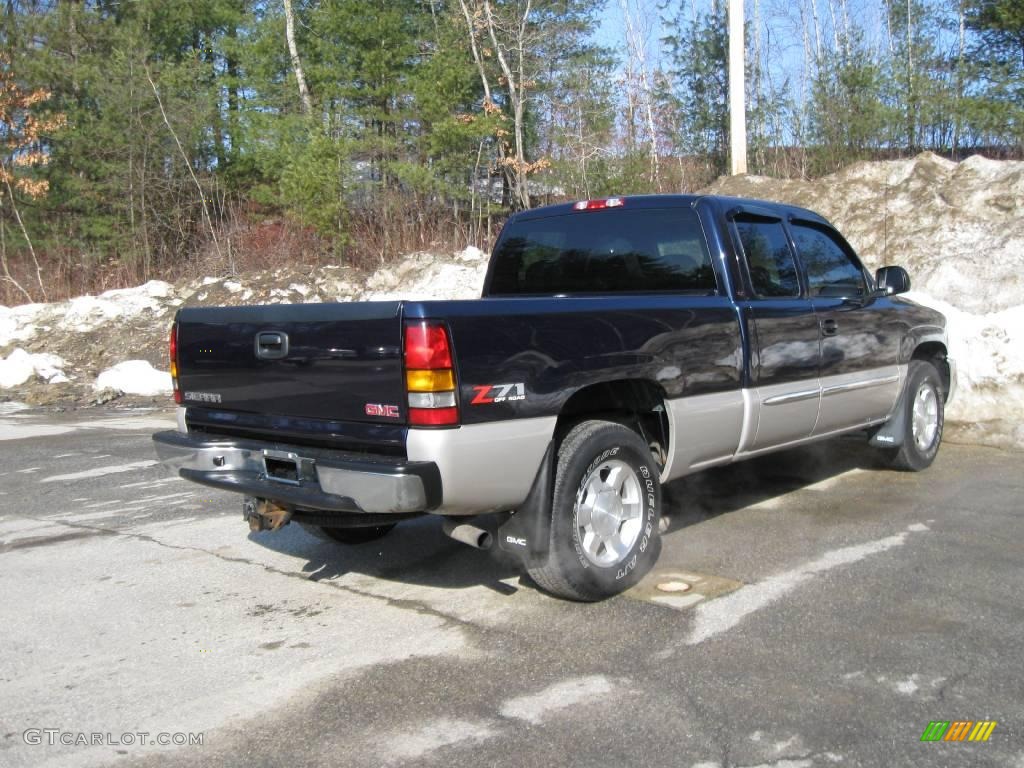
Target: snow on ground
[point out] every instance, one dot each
(134, 377)
(20, 366)
(989, 353)
(84, 313)
(424, 276)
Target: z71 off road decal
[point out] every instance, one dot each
(498, 393)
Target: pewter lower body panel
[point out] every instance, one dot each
(804, 441)
(854, 399)
(786, 412)
(704, 430)
(484, 467)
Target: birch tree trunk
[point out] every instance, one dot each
(637, 51)
(293, 54)
(517, 94)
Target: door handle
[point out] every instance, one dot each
(829, 327)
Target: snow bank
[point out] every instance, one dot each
(20, 366)
(88, 312)
(425, 276)
(989, 354)
(84, 313)
(17, 323)
(958, 230)
(134, 377)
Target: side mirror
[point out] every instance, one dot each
(892, 280)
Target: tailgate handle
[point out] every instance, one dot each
(271, 345)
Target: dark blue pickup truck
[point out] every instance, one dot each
(619, 344)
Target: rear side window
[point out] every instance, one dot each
(769, 258)
(831, 272)
(648, 250)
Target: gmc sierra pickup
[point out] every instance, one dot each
(619, 344)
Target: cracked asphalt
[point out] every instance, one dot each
(835, 609)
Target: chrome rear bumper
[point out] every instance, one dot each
(303, 477)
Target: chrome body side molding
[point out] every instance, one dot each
(793, 397)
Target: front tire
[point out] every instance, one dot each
(923, 419)
(605, 513)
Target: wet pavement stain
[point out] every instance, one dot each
(703, 587)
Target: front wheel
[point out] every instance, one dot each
(923, 419)
(605, 513)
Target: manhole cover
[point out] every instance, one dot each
(673, 586)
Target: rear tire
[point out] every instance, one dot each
(605, 514)
(923, 419)
(348, 535)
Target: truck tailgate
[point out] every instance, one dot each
(334, 361)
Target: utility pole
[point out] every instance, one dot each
(737, 107)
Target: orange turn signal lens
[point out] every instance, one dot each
(429, 381)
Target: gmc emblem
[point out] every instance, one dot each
(376, 409)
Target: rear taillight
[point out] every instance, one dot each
(429, 375)
(174, 363)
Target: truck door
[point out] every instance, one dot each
(859, 338)
(784, 339)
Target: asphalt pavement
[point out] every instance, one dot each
(826, 612)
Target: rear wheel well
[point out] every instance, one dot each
(636, 403)
(935, 352)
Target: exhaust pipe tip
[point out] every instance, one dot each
(468, 534)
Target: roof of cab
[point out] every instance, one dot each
(633, 202)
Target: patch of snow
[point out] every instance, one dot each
(989, 353)
(426, 277)
(302, 290)
(20, 366)
(232, 286)
(134, 377)
(403, 746)
(115, 469)
(907, 687)
(470, 253)
(85, 313)
(533, 707)
(209, 280)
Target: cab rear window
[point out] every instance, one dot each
(615, 251)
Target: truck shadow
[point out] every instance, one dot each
(418, 553)
(699, 497)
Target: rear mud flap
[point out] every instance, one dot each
(527, 532)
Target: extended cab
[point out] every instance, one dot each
(619, 344)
